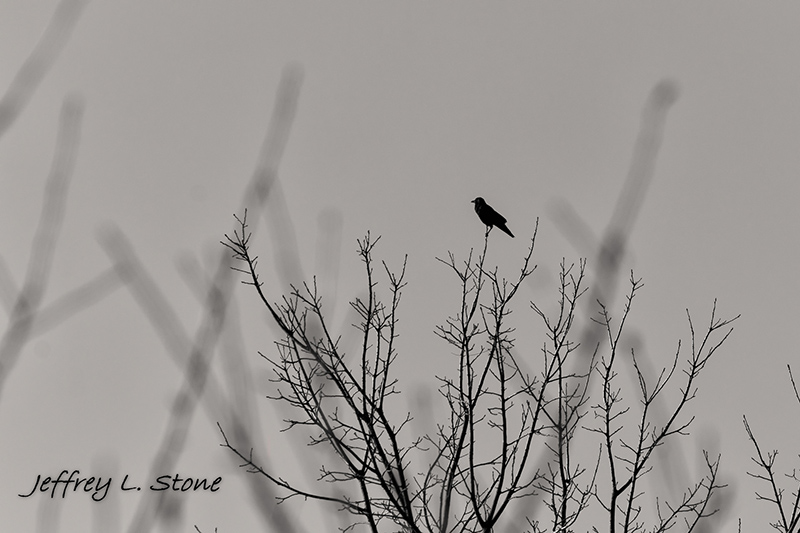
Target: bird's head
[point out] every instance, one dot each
(478, 201)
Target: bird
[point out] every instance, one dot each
(490, 217)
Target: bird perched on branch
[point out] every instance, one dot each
(489, 216)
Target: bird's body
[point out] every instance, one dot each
(489, 216)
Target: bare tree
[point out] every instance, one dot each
(500, 414)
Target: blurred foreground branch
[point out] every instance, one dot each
(29, 298)
(36, 66)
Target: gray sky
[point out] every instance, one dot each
(407, 111)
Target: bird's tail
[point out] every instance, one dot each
(505, 229)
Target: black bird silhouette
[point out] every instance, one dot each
(489, 216)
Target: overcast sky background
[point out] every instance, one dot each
(407, 111)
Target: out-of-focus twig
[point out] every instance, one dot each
(76, 300)
(266, 185)
(645, 152)
(237, 372)
(243, 411)
(283, 113)
(179, 347)
(8, 288)
(146, 293)
(44, 242)
(329, 248)
(611, 247)
(196, 374)
(106, 518)
(47, 518)
(195, 357)
(67, 305)
(40, 60)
